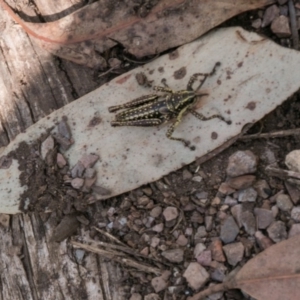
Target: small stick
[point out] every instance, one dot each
(283, 174)
(281, 133)
(293, 20)
(108, 235)
(114, 255)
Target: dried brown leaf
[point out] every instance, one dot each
(80, 36)
(271, 275)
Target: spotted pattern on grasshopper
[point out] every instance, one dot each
(155, 109)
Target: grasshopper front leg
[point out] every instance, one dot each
(203, 118)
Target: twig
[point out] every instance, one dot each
(114, 255)
(281, 133)
(108, 235)
(283, 174)
(294, 29)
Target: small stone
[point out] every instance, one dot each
(230, 201)
(4, 220)
(263, 189)
(197, 179)
(199, 248)
(77, 183)
(204, 258)
(170, 213)
(263, 241)
(284, 202)
(277, 231)
(156, 211)
(241, 163)
(173, 255)
(216, 201)
(196, 217)
(295, 230)
(225, 189)
(229, 230)
(64, 129)
(101, 190)
(256, 23)
(195, 275)
(143, 201)
(270, 14)
(237, 211)
(264, 217)
(247, 195)
(234, 253)
(281, 27)
(60, 160)
(136, 296)
(83, 220)
(89, 160)
(182, 240)
(184, 200)
(145, 251)
(295, 214)
(186, 174)
(154, 242)
(89, 173)
(293, 191)
(152, 296)
(189, 231)
(147, 191)
(248, 221)
(77, 170)
(281, 2)
(200, 233)
(292, 160)
(208, 223)
(219, 273)
(47, 145)
(216, 249)
(88, 183)
(241, 182)
(159, 284)
(158, 228)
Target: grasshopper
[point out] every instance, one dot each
(155, 109)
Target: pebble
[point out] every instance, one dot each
(89, 173)
(204, 258)
(182, 240)
(277, 231)
(200, 233)
(136, 296)
(152, 296)
(229, 230)
(264, 217)
(158, 228)
(199, 248)
(47, 145)
(256, 23)
(284, 202)
(159, 284)
(195, 275)
(241, 163)
(4, 220)
(281, 27)
(89, 160)
(293, 191)
(77, 183)
(292, 160)
(262, 188)
(208, 220)
(156, 211)
(230, 201)
(248, 221)
(234, 253)
(247, 195)
(225, 189)
(216, 249)
(170, 213)
(60, 160)
(77, 170)
(196, 218)
(186, 174)
(143, 201)
(236, 211)
(263, 241)
(219, 273)
(173, 255)
(295, 230)
(154, 242)
(270, 14)
(241, 182)
(295, 214)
